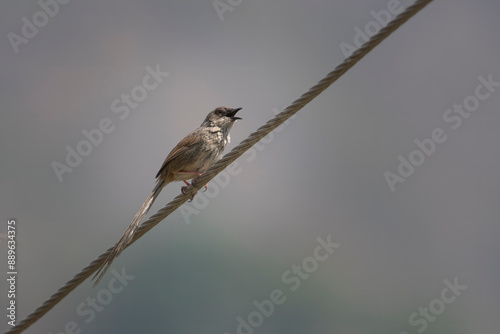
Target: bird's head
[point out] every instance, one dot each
(222, 117)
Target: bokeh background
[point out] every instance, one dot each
(321, 175)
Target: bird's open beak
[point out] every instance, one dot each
(233, 112)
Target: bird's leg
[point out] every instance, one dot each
(183, 189)
(194, 179)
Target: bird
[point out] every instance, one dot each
(190, 158)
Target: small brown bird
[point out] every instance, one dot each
(194, 154)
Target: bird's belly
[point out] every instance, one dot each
(201, 163)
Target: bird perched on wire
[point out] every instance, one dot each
(190, 158)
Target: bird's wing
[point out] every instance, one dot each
(179, 149)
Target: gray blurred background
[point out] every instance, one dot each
(321, 175)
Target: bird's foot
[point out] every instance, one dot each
(183, 190)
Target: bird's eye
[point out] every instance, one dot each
(219, 112)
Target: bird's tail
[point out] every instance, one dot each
(129, 233)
